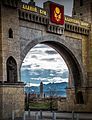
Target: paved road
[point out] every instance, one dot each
(47, 115)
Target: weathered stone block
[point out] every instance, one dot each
(11, 100)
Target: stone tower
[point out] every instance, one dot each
(9, 61)
(41, 89)
(83, 9)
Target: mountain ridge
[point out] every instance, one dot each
(57, 89)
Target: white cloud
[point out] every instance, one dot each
(42, 59)
(31, 84)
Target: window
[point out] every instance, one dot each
(10, 33)
(81, 2)
(81, 14)
(80, 98)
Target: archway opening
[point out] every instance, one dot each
(74, 65)
(45, 73)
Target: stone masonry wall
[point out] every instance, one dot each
(12, 101)
(10, 46)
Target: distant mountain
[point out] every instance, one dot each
(35, 76)
(51, 89)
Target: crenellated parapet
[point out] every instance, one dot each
(38, 15)
(77, 25)
(32, 13)
(32, 17)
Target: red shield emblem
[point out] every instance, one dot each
(56, 13)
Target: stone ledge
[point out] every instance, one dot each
(11, 84)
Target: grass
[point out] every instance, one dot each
(41, 105)
(38, 105)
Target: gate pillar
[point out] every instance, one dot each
(11, 100)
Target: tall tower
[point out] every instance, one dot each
(82, 9)
(41, 89)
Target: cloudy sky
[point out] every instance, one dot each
(43, 63)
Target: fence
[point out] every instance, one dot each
(47, 115)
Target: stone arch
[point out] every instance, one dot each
(69, 54)
(11, 70)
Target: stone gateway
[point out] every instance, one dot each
(22, 26)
